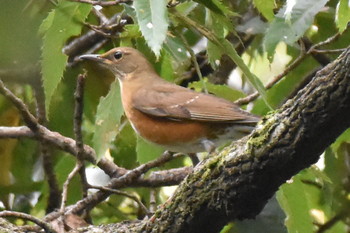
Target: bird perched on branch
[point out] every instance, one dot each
(177, 118)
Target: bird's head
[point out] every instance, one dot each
(121, 61)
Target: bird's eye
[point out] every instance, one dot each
(118, 55)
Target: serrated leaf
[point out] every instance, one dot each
(152, 17)
(342, 16)
(109, 112)
(265, 7)
(147, 151)
(175, 47)
(47, 22)
(65, 22)
(291, 22)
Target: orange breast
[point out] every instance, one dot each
(164, 131)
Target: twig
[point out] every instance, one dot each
(102, 3)
(194, 60)
(47, 227)
(327, 41)
(152, 201)
(120, 182)
(65, 187)
(155, 179)
(143, 168)
(294, 64)
(328, 51)
(101, 16)
(53, 202)
(122, 193)
(82, 43)
(75, 170)
(117, 183)
(78, 118)
(331, 222)
(270, 84)
(28, 118)
(78, 113)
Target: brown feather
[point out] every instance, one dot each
(175, 102)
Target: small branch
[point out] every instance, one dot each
(327, 41)
(152, 200)
(78, 113)
(122, 193)
(329, 224)
(28, 118)
(79, 167)
(78, 118)
(121, 182)
(102, 3)
(103, 19)
(194, 60)
(289, 68)
(47, 227)
(15, 132)
(53, 202)
(117, 183)
(322, 51)
(143, 168)
(65, 188)
(155, 179)
(92, 40)
(277, 78)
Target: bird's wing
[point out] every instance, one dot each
(179, 103)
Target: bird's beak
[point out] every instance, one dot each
(93, 57)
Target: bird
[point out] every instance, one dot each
(163, 113)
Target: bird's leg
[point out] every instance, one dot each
(194, 158)
(209, 146)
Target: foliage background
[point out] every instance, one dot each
(261, 37)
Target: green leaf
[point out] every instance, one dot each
(271, 219)
(344, 137)
(222, 91)
(165, 67)
(291, 22)
(46, 24)
(152, 17)
(60, 25)
(125, 144)
(337, 194)
(277, 94)
(254, 81)
(175, 47)
(109, 112)
(265, 7)
(220, 26)
(217, 7)
(147, 151)
(342, 16)
(298, 199)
